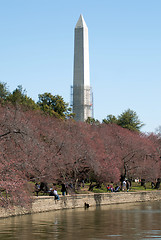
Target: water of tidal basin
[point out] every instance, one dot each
(114, 222)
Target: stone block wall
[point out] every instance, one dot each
(77, 201)
(46, 203)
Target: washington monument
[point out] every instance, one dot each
(82, 94)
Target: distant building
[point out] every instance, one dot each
(81, 93)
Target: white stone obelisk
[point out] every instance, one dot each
(81, 79)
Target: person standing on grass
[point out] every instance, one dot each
(63, 189)
(124, 185)
(127, 185)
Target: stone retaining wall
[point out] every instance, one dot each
(46, 203)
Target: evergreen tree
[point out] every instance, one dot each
(4, 92)
(110, 119)
(92, 121)
(129, 119)
(19, 96)
(54, 105)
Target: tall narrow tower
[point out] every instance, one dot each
(82, 100)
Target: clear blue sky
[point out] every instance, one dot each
(37, 48)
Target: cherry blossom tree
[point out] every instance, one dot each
(42, 148)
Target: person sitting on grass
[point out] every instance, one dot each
(111, 188)
(117, 188)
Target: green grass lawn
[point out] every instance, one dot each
(84, 190)
(134, 188)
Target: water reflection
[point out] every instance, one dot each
(121, 222)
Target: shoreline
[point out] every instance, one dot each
(48, 203)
